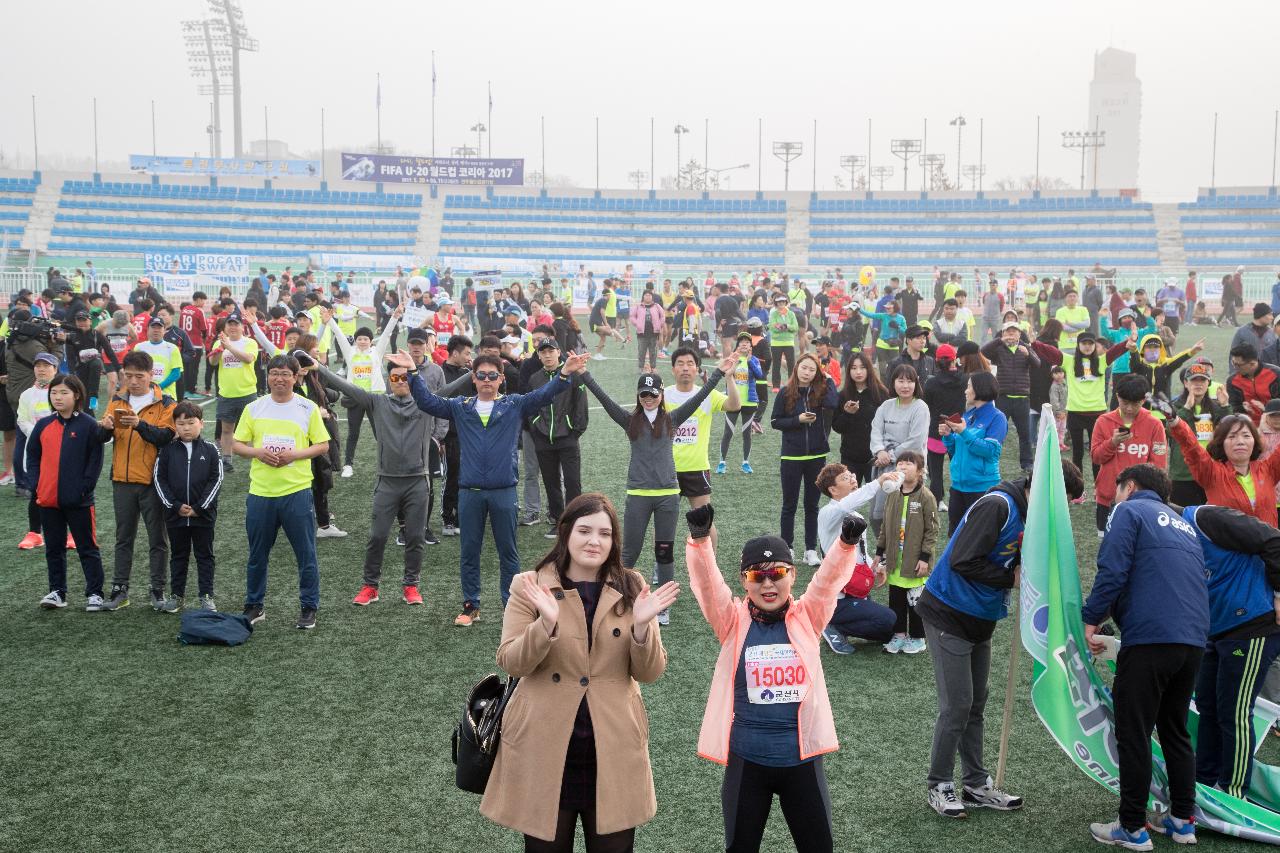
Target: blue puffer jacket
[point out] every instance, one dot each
(1242, 562)
(800, 439)
(975, 453)
(488, 452)
(1151, 576)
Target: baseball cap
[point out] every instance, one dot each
(945, 351)
(81, 315)
(649, 383)
(781, 297)
(916, 332)
(417, 336)
(1197, 370)
(46, 357)
(822, 339)
(1260, 310)
(1084, 337)
(156, 321)
(1127, 312)
(1011, 325)
(755, 323)
(547, 343)
(744, 336)
(233, 317)
(1272, 407)
(765, 549)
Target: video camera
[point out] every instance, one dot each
(39, 328)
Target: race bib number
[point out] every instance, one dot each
(362, 371)
(88, 354)
(229, 360)
(687, 432)
(119, 345)
(442, 339)
(1204, 428)
(157, 372)
(775, 675)
(278, 443)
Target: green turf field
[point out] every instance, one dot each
(118, 738)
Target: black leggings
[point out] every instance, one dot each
(906, 620)
(355, 417)
(787, 353)
(747, 798)
(800, 475)
(739, 421)
(615, 842)
(1080, 426)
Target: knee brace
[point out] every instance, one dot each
(664, 552)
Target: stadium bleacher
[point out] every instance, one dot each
(1033, 232)
(104, 218)
(16, 197)
(687, 232)
(1231, 230)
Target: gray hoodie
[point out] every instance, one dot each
(402, 429)
(896, 427)
(652, 465)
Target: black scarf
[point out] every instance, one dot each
(767, 617)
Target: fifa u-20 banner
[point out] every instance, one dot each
(1068, 692)
(453, 171)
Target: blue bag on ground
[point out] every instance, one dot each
(209, 627)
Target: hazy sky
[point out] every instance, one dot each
(841, 63)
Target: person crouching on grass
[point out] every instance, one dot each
(768, 718)
(188, 476)
(64, 459)
(580, 633)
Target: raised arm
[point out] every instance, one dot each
(686, 410)
(362, 397)
(619, 415)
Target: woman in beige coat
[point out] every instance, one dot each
(579, 633)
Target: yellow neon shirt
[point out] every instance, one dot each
(293, 425)
(694, 435)
(235, 377)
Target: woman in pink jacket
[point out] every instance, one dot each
(768, 717)
(649, 321)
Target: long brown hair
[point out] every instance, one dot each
(1050, 331)
(612, 571)
(879, 393)
(817, 386)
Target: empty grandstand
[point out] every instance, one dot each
(1231, 228)
(16, 196)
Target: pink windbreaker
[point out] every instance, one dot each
(730, 619)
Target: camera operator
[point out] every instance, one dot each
(89, 353)
(27, 337)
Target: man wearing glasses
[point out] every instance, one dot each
(488, 427)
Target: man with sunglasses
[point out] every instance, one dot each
(403, 487)
(488, 427)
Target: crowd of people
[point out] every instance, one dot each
(483, 412)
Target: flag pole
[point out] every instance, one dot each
(1006, 725)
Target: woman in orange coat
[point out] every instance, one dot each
(1229, 469)
(768, 718)
(580, 635)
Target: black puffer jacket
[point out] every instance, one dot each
(944, 394)
(855, 429)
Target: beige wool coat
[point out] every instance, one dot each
(555, 673)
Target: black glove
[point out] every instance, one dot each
(700, 520)
(304, 360)
(1160, 403)
(852, 528)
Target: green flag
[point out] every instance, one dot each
(1067, 691)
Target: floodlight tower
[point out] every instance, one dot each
(638, 177)
(854, 164)
(881, 172)
(235, 38)
(933, 165)
(905, 149)
(209, 60)
(680, 130)
(786, 152)
(974, 173)
(1084, 140)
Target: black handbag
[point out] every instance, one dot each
(476, 737)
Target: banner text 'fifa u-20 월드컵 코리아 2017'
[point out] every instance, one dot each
(457, 171)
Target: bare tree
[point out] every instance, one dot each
(1028, 182)
(534, 179)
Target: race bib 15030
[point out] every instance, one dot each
(775, 674)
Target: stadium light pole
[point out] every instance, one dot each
(208, 58)
(153, 127)
(544, 152)
(982, 166)
(974, 173)
(1275, 137)
(680, 130)
(958, 123)
(35, 134)
(236, 38)
(266, 134)
(95, 134)
(924, 171)
(932, 164)
(597, 153)
(322, 169)
(853, 164)
(814, 155)
(882, 172)
(760, 155)
(479, 130)
(1213, 165)
(786, 152)
(1084, 140)
(638, 177)
(1037, 153)
(905, 149)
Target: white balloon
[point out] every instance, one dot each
(421, 282)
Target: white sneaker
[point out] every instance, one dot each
(330, 532)
(664, 618)
(811, 558)
(943, 800)
(7, 479)
(449, 530)
(1101, 534)
(347, 471)
(94, 603)
(913, 646)
(896, 645)
(988, 796)
(942, 507)
(53, 601)
(598, 357)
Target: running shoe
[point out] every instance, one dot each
(71, 543)
(450, 530)
(172, 604)
(207, 603)
(429, 538)
(53, 601)
(94, 603)
(30, 541)
(746, 468)
(347, 472)
(1117, 836)
(988, 796)
(811, 558)
(119, 598)
(942, 507)
(720, 469)
(8, 478)
(895, 645)
(470, 613)
(366, 596)
(913, 645)
(400, 538)
(598, 357)
(943, 800)
(837, 641)
(255, 613)
(306, 619)
(529, 520)
(1181, 831)
(411, 595)
(330, 531)
(157, 600)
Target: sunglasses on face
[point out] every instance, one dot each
(773, 573)
(398, 377)
(654, 394)
(488, 375)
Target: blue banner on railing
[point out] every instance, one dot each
(455, 171)
(195, 263)
(224, 166)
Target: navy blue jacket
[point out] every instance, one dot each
(193, 480)
(799, 439)
(78, 464)
(1242, 561)
(1151, 576)
(488, 452)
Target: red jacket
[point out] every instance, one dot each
(1146, 443)
(1262, 387)
(1218, 479)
